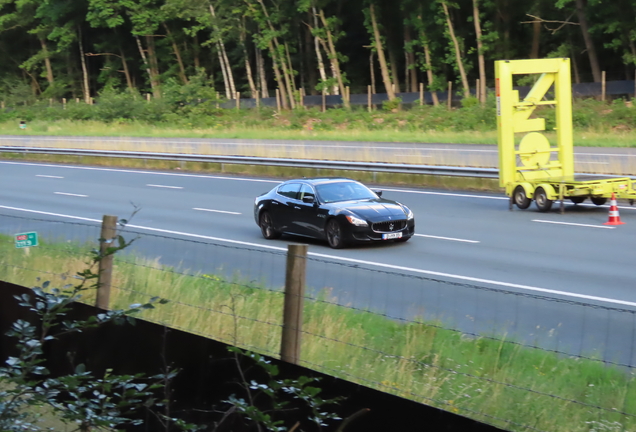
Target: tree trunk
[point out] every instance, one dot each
(480, 54)
(458, 55)
(277, 75)
(248, 66)
(429, 71)
(154, 66)
(589, 44)
(388, 85)
(226, 81)
(321, 64)
(372, 73)
(261, 73)
(394, 71)
(536, 39)
(47, 61)
(86, 88)
(126, 71)
(335, 64)
(411, 71)
(195, 46)
(291, 83)
(145, 60)
(225, 62)
(177, 54)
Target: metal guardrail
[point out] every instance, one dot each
(282, 162)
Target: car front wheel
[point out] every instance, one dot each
(333, 233)
(267, 226)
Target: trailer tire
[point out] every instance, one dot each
(599, 201)
(577, 199)
(520, 198)
(544, 204)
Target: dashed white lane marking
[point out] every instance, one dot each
(447, 238)
(164, 186)
(216, 211)
(143, 172)
(573, 224)
(71, 194)
(370, 263)
(49, 176)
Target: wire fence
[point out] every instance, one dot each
(513, 359)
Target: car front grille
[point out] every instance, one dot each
(388, 226)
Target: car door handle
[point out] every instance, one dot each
(297, 208)
(274, 202)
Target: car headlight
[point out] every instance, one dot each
(356, 221)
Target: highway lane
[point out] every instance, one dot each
(464, 238)
(620, 161)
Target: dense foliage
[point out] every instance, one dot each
(83, 48)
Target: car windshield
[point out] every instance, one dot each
(344, 191)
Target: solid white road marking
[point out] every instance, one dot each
(48, 176)
(216, 211)
(356, 261)
(447, 238)
(71, 194)
(163, 186)
(573, 224)
(446, 194)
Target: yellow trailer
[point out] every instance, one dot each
(533, 169)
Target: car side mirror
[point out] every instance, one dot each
(378, 192)
(309, 199)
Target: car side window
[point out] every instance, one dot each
(289, 190)
(306, 191)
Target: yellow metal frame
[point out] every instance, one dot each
(514, 117)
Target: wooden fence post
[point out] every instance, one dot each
(258, 100)
(324, 100)
(603, 86)
(294, 299)
(217, 100)
(421, 94)
(369, 97)
(278, 100)
(238, 101)
(63, 103)
(450, 94)
(106, 238)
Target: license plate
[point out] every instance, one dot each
(390, 236)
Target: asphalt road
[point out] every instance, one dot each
(620, 161)
(468, 249)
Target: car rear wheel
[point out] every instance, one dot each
(599, 201)
(333, 233)
(542, 201)
(267, 226)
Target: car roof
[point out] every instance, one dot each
(321, 180)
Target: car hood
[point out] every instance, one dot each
(374, 210)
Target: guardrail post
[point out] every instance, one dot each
(106, 238)
(293, 308)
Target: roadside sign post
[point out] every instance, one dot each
(25, 240)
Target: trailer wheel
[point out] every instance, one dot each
(578, 199)
(599, 201)
(520, 198)
(544, 204)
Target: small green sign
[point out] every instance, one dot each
(26, 240)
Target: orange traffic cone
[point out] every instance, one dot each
(614, 218)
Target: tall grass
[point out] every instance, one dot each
(492, 380)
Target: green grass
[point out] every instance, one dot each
(495, 381)
(604, 124)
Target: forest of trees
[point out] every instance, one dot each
(79, 48)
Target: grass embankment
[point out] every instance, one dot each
(495, 381)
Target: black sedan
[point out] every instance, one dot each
(339, 210)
